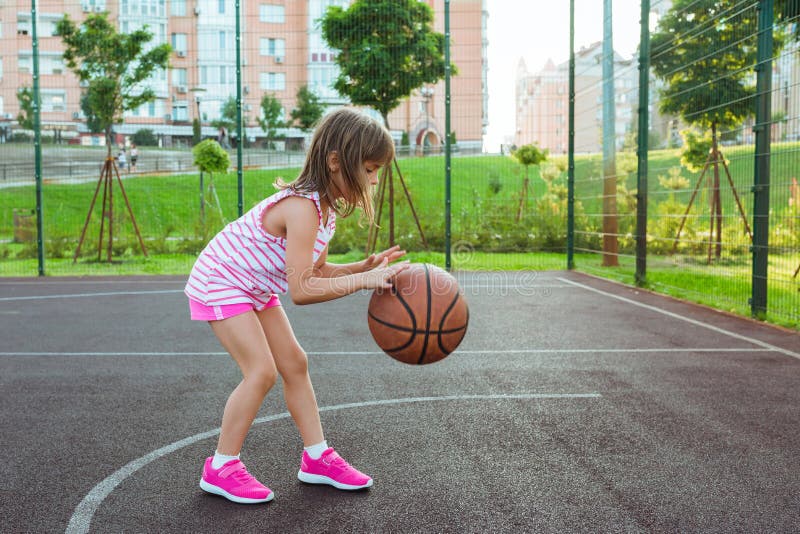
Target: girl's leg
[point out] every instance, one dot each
(243, 337)
(292, 364)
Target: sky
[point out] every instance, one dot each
(536, 30)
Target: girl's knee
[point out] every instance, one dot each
(264, 376)
(295, 364)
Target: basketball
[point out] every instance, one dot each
(422, 319)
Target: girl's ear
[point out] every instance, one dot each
(333, 161)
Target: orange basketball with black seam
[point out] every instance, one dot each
(422, 319)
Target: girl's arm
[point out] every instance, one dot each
(333, 270)
(306, 285)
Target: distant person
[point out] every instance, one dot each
(134, 156)
(121, 159)
(280, 246)
(222, 138)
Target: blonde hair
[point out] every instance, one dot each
(356, 138)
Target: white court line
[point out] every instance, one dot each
(82, 516)
(166, 291)
(688, 320)
(85, 295)
(379, 353)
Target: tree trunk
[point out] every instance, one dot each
(109, 142)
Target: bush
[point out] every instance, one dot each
(210, 157)
(144, 137)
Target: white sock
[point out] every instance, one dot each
(315, 451)
(221, 459)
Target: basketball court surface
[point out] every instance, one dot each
(573, 404)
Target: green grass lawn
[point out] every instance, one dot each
(485, 232)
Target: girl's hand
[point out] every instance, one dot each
(382, 275)
(374, 260)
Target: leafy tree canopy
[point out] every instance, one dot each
(309, 109)
(25, 99)
(270, 119)
(530, 155)
(113, 66)
(210, 157)
(704, 51)
(227, 118)
(92, 122)
(387, 49)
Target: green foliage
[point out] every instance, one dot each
(404, 139)
(210, 157)
(696, 148)
(197, 131)
(94, 124)
(530, 155)
(228, 114)
(114, 66)
(270, 119)
(786, 14)
(144, 137)
(308, 109)
(25, 99)
(674, 181)
(386, 50)
(704, 51)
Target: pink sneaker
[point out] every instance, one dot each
(233, 482)
(332, 469)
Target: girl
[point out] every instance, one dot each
(281, 245)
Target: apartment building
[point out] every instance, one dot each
(542, 102)
(282, 50)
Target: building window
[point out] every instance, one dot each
(53, 101)
(45, 27)
(225, 40)
(272, 47)
(180, 111)
(221, 7)
(272, 81)
(179, 43)
(177, 8)
(49, 63)
(179, 77)
(272, 14)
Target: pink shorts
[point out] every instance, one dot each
(202, 312)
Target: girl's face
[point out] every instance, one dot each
(371, 169)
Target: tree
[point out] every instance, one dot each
(210, 157)
(114, 66)
(144, 137)
(271, 117)
(705, 58)
(308, 110)
(227, 118)
(25, 99)
(380, 68)
(527, 155)
(94, 124)
(386, 50)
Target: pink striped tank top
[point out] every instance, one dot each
(245, 264)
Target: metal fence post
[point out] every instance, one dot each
(37, 139)
(760, 248)
(239, 136)
(644, 128)
(571, 143)
(447, 139)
